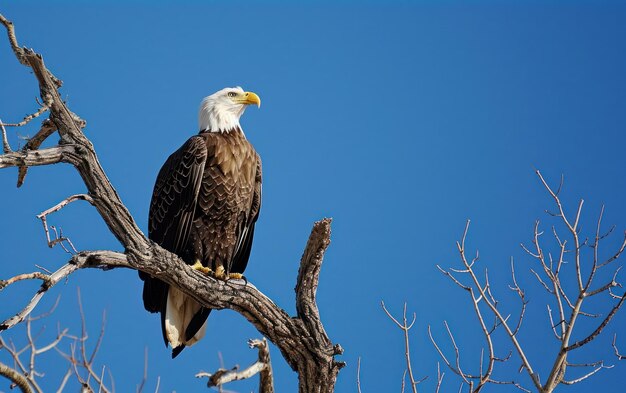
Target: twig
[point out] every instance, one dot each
(156, 389)
(59, 238)
(66, 378)
(619, 356)
(88, 361)
(405, 327)
(358, 375)
(522, 297)
(6, 147)
(440, 376)
(28, 118)
(145, 371)
(592, 372)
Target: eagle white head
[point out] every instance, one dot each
(221, 111)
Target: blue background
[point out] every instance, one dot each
(399, 120)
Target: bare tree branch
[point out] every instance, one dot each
(47, 128)
(592, 372)
(59, 238)
(28, 118)
(52, 155)
(599, 329)
(262, 366)
(48, 282)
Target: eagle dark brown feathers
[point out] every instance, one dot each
(205, 203)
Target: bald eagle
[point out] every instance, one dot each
(205, 203)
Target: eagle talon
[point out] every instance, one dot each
(220, 273)
(201, 268)
(237, 276)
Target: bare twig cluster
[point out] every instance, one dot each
(25, 371)
(568, 303)
(82, 363)
(302, 340)
(477, 293)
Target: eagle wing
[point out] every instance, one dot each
(172, 211)
(244, 242)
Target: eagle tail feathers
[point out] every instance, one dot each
(197, 324)
(176, 351)
(183, 315)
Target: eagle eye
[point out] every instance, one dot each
(232, 94)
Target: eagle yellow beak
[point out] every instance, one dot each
(251, 98)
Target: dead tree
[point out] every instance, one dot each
(565, 304)
(302, 340)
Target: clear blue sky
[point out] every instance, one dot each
(399, 120)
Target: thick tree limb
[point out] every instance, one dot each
(302, 341)
(49, 156)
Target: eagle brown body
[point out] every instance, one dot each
(205, 203)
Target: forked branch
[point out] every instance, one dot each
(405, 326)
(263, 367)
(27, 372)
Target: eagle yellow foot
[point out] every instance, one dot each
(220, 273)
(237, 276)
(201, 268)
